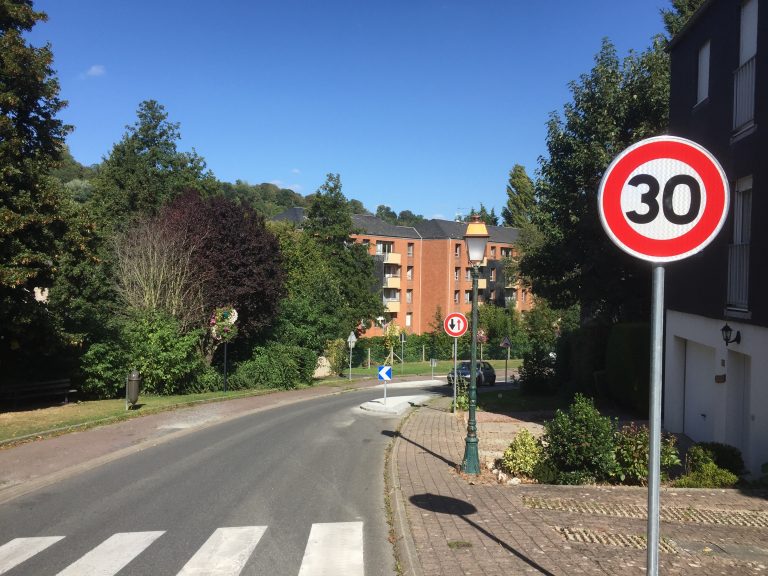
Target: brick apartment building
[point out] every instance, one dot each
(425, 266)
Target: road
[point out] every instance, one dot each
(293, 490)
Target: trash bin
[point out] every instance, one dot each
(132, 385)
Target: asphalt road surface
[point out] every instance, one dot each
(295, 490)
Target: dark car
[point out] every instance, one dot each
(485, 373)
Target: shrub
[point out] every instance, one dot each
(105, 368)
(708, 475)
(544, 472)
(336, 353)
(632, 443)
(581, 440)
(725, 456)
(523, 454)
(275, 365)
(209, 380)
(575, 477)
(696, 458)
(167, 359)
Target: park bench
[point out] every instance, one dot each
(19, 391)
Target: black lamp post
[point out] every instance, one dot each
(475, 238)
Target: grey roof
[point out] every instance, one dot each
(296, 215)
(439, 229)
(427, 229)
(376, 227)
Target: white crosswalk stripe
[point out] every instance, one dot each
(20, 549)
(112, 555)
(334, 549)
(225, 552)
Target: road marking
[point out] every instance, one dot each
(225, 552)
(334, 549)
(112, 555)
(20, 549)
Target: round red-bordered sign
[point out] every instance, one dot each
(663, 199)
(455, 324)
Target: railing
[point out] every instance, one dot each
(744, 94)
(738, 276)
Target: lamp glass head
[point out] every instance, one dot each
(476, 237)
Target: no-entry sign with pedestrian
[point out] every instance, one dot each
(662, 199)
(455, 324)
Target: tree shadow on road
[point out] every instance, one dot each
(462, 509)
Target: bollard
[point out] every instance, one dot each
(132, 385)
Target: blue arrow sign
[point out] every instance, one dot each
(385, 372)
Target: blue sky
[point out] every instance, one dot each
(422, 105)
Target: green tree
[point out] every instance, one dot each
(676, 17)
(329, 221)
(386, 213)
(146, 170)
(614, 105)
(31, 220)
(521, 199)
(312, 312)
(408, 218)
(490, 218)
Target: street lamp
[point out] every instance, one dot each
(475, 238)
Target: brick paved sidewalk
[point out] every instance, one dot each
(474, 526)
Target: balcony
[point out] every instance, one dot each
(392, 305)
(392, 282)
(390, 257)
(744, 95)
(738, 276)
(482, 284)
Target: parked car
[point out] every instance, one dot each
(485, 373)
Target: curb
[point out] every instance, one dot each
(404, 543)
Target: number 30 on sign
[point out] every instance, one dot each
(663, 199)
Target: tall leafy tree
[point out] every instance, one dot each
(146, 170)
(31, 219)
(329, 221)
(490, 218)
(386, 213)
(31, 141)
(521, 198)
(616, 104)
(676, 17)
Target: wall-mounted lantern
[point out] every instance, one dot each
(728, 336)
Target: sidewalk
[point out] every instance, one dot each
(473, 525)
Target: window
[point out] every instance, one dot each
(410, 249)
(493, 251)
(493, 295)
(456, 274)
(409, 296)
(506, 252)
(744, 76)
(366, 241)
(468, 274)
(408, 319)
(493, 274)
(391, 295)
(409, 273)
(457, 250)
(702, 90)
(384, 247)
(738, 252)
(467, 296)
(455, 296)
(524, 296)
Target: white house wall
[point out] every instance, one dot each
(726, 395)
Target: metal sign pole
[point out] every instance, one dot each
(455, 374)
(654, 448)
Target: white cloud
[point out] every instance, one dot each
(295, 171)
(96, 70)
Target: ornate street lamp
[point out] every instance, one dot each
(475, 238)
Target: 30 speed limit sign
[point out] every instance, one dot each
(663, 199)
